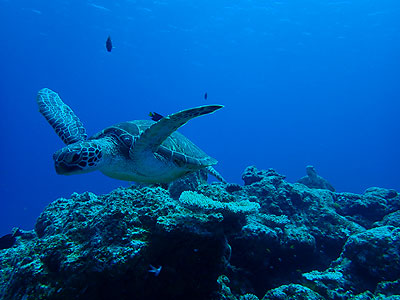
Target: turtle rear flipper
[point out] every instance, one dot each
(156, 134)
(61, 117)
(216, 174)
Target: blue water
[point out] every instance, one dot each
(303, 82)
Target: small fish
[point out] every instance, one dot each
(155, 116)
(205, 96)
(109, 45)
(155, 270)
(7, 241)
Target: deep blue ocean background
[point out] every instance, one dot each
(303, 82)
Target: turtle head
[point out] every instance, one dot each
(78, 158)
(311, 172)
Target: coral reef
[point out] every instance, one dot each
(268, 239)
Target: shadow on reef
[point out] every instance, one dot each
(268, 239)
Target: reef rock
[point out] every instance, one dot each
(101, 247)
(369, 207)
(268, 239)
(370, 261)
(292, 291)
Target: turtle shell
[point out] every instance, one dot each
(176, 147)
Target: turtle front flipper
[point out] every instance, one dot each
(153, 136)
(61, 117)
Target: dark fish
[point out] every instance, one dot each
(7, 241)
(205, 96)
(155, 116)
(109, 45)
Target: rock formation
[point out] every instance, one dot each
(268, 239)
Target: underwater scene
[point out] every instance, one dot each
(205, 150)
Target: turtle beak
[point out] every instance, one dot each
(64, 169)
(61, 168)
(65, 163)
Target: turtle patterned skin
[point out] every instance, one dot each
(142, 150)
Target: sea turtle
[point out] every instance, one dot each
(314, 181)
(143, 151)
